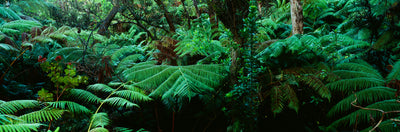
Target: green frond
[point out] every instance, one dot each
(99, 87)
(8, 47)
(385, 126)
(120, 102)
(100, 120)
(84, 95)
(20, 127)
(99, 129)
(8, 119)
(9, 31)
(317, 85)
(42, 115)
(362, 116)
(129, 62)
(22, 25)
(9, 13)
(395, 73)
(70, 106)
(354, 74)
(69, 54)
(187, 80)
(355, 84)
(133, 95)
(126, 51)
(366, 96)
(123, 129)
(11, 107)
(276, 100)
(359, 66)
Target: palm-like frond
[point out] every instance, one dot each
(100, 120)
(84, 95)
(184, 81)
(366, 96)
(133, 95)
(99, 129)
(70, 106)
(9, 13)
(20, 127)
(99, 87)
(11, 107)
(362, 116)
(22, 25)
(7, 47)
(42, 115)
(120, 102)
(395, 73)
(355, 84)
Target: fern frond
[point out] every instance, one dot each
(42, 115)
(22, 25)
(355, 84)
(8, 119)
(11, 107)
(276, 100)
(9, 13)
(8, 47)
(100, 120)
(385, 126)
(360, 66)
(161, 78)
(395, 73)
(99, 87)
(84, 95)
(362, 116)
(120, 102)
(20, 127)
(317, 85)
(133, 95)
(99, 129)
(366, 96)
(70, 106)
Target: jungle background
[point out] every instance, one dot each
(199, 65)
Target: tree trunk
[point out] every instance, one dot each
(259, 6)
(166, 14)
(186, 13)
(296, 12)
(106, 23)
(195, 3)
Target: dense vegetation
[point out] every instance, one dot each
(199, 65)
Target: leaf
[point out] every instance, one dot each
(42, 115)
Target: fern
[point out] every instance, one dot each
(11, 107)
(42, 115)
(363, 115)
(9, 13)
(100, 88)
(385, 126)
(99, 129)
(395, 73)
(70, 106)
(366, 96)
(100, 120)
(21, 25)
(120, 102)
(20, 127)
(133, 95)
(84, 95)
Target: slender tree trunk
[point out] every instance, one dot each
(195, 3)
(106, 23)
(186, 13)
(166, 14)
(296, 12)
(259, 6)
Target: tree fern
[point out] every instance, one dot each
(385, 126)
(11, 107)
(20, 127)
(21, 25)
(369, 87)
(100, 120)
(43, 115)
(395, 73)
(120, 102)
(84, 95)
(9, 13)
(366, 96)
(70, 106)
(133, 96)
(362, 116)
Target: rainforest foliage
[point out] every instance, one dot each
(199, 65)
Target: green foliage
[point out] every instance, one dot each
(45, 96)
(84, 95)
(20, 127)
(70, 106)
(11, 107)
(199, 39)
(369, 90)
(175, 81)
(100, 120)
(43, 115)
(9, 13)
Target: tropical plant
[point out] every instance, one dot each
(369, 97)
